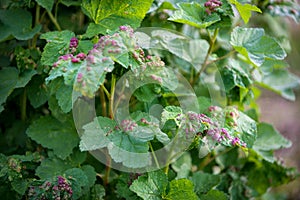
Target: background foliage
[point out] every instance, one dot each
(47, 46)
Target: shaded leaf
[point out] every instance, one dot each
(47, 4)
(8, 81)
(204, 182)
(122, 188)
(17, 22)
(182, 166)
(214, 195)
(90, 174)
(50, 133)
(37, 92)
(51, 167)
(79, 182)
(97, 192)
(25, 77)
(20, 185)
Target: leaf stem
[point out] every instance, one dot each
(222, 57)
(107, 170)
(205, 63)
(209, 159)
(103, 102)
(36, 22)
(112, 94)
(54, 21)
(154, 156)
(170, 157)
(105, 90)
(23, 105)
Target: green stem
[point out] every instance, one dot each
(205, 63)
(107, 170)
(209, 159)
(103, 102)
(205, 161)
(37, 21)
(23, 106)
(111, 115)
(222, 57)
(154, 156)
(54, 21)
(112, 94)
(106, 91)
(170, 157)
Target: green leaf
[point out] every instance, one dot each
(245, 10)
(20, 185)
(228, 159)
(254, 45)
(146, 132)
(146, 93)
(128, 150)
(194, 14)
(56, 111)
(47, 4)
(204, 103)
(51, 167)
(182, 166)
(54, 166)
(204, 182)
(237, 190)
(271, 175)
(94, 136)
(90, 174)
(214, 195)
(236, 82)
(192, 51)
(57, 45)
(122, 187)
(71, 2)
(110, 14)
(151, 186)
(269, 139)
(181, 189)
(282, 82)
(97, 192)
(247, 130)
(171, 113)
(79, 181)
(84, 46)
(17, 22)
(25, 77)
(52, 134)
(64, 97)
(94, 29)
(8, 81)
(37, 91)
